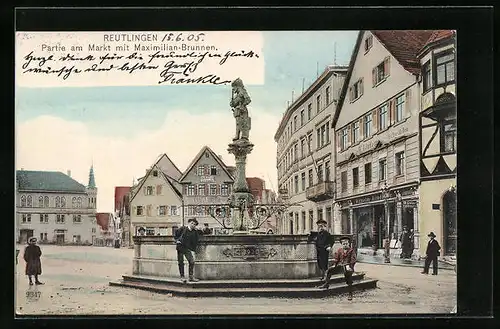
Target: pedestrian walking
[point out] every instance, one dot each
(432, 253)
(387, 250)
(346, 258)
(31, 256)
(324, 243)
(405, 243)
(186, 239)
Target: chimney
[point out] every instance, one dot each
(69, 173)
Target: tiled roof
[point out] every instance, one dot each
(438, 35)
(103, 219)
(120, 192)
(53, 181)
(404, 45)
(256, 185)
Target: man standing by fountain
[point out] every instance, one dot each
(186, 239)
(324, 243)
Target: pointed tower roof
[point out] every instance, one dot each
(91, 178)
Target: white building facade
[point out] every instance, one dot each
(305, 157)
(55, 208)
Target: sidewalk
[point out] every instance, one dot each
(396, 261)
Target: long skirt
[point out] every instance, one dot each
(34, 267)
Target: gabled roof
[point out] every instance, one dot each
(172, 172)
(53, 181)
(167, 178)
(103, 220)
(120, 192)
(404, 45)
(436, 37)
(197, 158)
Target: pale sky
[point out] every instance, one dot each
(123, 130)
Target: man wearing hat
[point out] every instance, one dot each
(31, 256)
(186, 239)
(345, 257)
(141, 231)
(432, 254)
(405, 243)
(324, 243)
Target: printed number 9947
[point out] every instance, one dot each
(33, 294)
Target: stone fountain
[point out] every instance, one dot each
(242, 263)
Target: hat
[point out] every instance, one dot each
(193, 220)
(321, 221)
(345, 237)
(32, 240)
(431, 235)
(141, 229)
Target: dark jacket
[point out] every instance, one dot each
(345, 257)
(433, 248)
(32, 255)
(188, 238)
(324, 239)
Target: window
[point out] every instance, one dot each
(303, 147)
(343, 140)
(356, 90)
(173, 210)
(77, 218)
(355, 132)
(355, 177)
(40, 201)
(400, 103)
(213, 189)
(400, 157)
(382, 169)
(380, 72)
(320, 214)
(224, 189)
(296, 151)
(93, 230)
(140, 211)
(318, 138)
(159, 189)
(149, 190)
(77, 239)
(310, 177)
(296, 183)
(294, 123)
(309, 143)
(368, 125)
(26, 218)
(318, 103)
(155, 173)
(58, 202)
(23, 200)
(327, 134)
(201, 189)
(343, 181)
(43, 236)
(450, 137)
(368, 173)
(368, 43)
(323, 135)
(301, 118)
(213, 170)
(426, 76)
(190, 190)
(311, 219)
(327, 95)
(149, 210)
(320, 173)
(79, 202)
(162, 210)
(303, 180)
(303, 220)
(445, 68)
(382, 117)
(73, 202)
(44, 218)
(60, 219)
(191, 210)
(201, 170)
(327, 171)
(29, 201)
(309, 111)
(63, 202)
(150, 231)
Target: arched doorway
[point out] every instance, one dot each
(450, 222)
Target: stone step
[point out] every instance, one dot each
(283, 292)
(269, 283)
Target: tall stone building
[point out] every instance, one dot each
(122, 211)
(438, 142)
(55, 208)
(377, 150)
(305, 157)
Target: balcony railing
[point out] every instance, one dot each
(321, 191)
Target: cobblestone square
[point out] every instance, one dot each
(76, 282)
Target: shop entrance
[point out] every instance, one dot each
(450, 222)
(408, 214)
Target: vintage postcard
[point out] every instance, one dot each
(236, 172)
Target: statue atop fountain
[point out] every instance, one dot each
(241, 200)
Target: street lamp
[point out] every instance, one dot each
(385, 194)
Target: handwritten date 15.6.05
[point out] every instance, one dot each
(179, 37)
